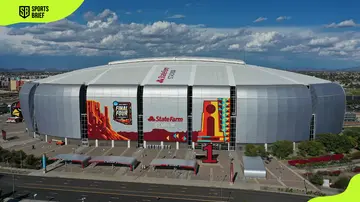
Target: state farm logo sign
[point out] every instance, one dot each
(165, 121)
(166, 74)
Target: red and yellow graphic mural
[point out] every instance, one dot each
(215, 123)
(166, 136)
(16, 110)
(99, 126)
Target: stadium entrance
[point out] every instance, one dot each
(216, 146)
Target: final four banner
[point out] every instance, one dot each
(36, 11)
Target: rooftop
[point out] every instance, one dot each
(193, 71)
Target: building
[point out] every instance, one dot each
(16, 84)
(350, 117)
(186, 100)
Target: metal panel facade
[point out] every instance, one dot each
(112, 112)
(329, 107)
(211, 114)
(26, 96)
(57, 111)
(165, 113)
(266, 114)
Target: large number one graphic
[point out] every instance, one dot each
(209, 154)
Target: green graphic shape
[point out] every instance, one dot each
(351, 194)
(36, 11)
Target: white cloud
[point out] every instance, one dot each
(128, 13)
(260, 19)
(325, 41)
(139, 11)
(282, 18)
(104, 35)
(234, 47)
(177, 16)
(343, 24)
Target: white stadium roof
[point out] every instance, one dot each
(184, 70)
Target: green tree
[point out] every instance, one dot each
(261, 150)
(282, 149)
(353, 132)
(251, 150)
(255, 150)
(328, 140)
(344, 144)
(316, 179)
(31, 160)
(311, 148)
(341, 183)
(336, 143)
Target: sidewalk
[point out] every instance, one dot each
(7, 145)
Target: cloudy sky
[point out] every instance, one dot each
(282, 33)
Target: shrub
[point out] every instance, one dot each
(355, 155)
(336, 143)
(255, 150)
(307, 174)
(316, 179)
(341, 183)
(282, 149)
(251, 150)
(329, 173)
(356, 169)
(311, 148)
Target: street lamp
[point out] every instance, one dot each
(34, 196)
(83, 199)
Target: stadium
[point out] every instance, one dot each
(187, 100)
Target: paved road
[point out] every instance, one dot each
(60, 189)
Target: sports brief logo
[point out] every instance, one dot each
(24, 11)
(164, 74)
(165, 119)
(34, 11)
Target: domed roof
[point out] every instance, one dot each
(181, 71)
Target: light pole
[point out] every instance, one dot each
(34, 196)
(82, 199)
(305, 187)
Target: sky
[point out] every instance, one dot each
(281, 34)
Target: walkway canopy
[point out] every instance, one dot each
(254, 167)
(121, 160)
(181, 163)
(77, 158)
